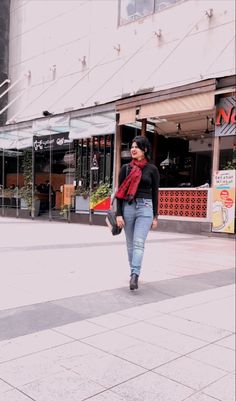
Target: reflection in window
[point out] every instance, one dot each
(131, 10)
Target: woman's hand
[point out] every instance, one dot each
(120, 221)
(154, 223)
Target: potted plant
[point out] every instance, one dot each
(82, 199)
(100, 197)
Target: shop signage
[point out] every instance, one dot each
(223, 207)
(53, 142)
(225, 117)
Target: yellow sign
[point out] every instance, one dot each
(68, 191)
(223, 207)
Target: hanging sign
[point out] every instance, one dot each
(53, 142)
(223, 207)
(225, 117)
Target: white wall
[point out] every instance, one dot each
(44, 33)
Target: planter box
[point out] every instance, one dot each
(24, 206)
(81, 203)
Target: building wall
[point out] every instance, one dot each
(4, 47)
(73, 54)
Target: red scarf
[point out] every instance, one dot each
(129, 186)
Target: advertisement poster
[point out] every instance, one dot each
(223, 207)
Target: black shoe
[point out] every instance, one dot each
(133, 284)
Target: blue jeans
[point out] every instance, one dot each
(138, 217)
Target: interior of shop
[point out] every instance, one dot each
(182, 148)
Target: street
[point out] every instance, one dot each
(71, 330)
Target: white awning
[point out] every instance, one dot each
(179, 106)
(55, 124)
(92, 130)
(127, 116)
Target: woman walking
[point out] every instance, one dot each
(137, 198)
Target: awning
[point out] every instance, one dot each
(127, 116)
(182, 105)
(93, 130)
(55, 124)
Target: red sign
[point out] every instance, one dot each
(224, 194)
(228, 202)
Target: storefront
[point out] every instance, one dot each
(49, 168)
(180, 124)
(66, 167)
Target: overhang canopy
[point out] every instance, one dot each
(179, 106)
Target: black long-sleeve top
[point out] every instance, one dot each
(147, 189)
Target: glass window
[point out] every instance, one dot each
(161, 4)
(131, 10)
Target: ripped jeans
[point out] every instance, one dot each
(138, 217)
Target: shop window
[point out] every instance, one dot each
(132, 10)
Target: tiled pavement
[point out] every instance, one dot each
(173, 340)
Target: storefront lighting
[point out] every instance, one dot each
(167, 162)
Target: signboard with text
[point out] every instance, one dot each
(225, 117)
(223, 207)
(53, 142)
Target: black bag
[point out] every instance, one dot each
(111, 215)
(111, 222)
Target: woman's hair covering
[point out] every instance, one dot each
(143, 144)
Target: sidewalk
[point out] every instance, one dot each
(70, 330)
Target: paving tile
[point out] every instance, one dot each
(69, 353)
(197, 298)
(152, 387)
(107, 371)
(146, 355)
(200, 396)
(112, 320)
(176, 342)
(209, 314)
(80, 330)
(26, 369)
(39, 341)
(9, 350)
(4, 387)
(111, 341)
(190, 328)
(33, 318)
(214, 355)
(107, 396)
(141, 312)
(228, 342)
(223, 389)
(16, 395)
(191, 373)
(64, 386)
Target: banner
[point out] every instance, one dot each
(223, 207)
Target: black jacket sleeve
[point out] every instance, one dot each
(155, 188)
